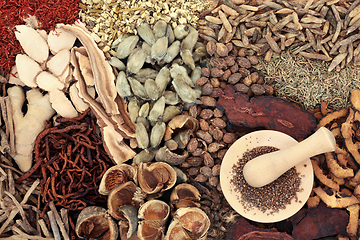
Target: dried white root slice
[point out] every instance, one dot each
(59, 39)
(79, 104)
(32, 42)
(48, 82)
(43, 33)
(59, 62)
(14, 77)
(27, 69)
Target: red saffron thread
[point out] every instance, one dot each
(48, 13)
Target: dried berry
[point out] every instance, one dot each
(257, 89)
(226, 75)
(211, 48)
(218, 122)
(221, 49)
(229, 137)
(216, 72)
(208, 101)
(217, 134)
(207, 89)
(204, 136)
(240, 87)
(205, 72)
(234, 78)
(215, 82)
(243, 62)
(230, 60)
(192, 145)
(201, 81)
(204, 125)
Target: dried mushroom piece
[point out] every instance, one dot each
(156, 177)
(188, 223)
(335, 199)
(125, 194)
(93, 222)
(185, 195)
(115, 176)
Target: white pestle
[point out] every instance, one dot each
(266, 168)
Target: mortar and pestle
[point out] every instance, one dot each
(266, 168)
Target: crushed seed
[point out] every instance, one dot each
(274, 196)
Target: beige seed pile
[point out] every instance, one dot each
(108, 19)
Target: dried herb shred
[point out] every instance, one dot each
(274, 196)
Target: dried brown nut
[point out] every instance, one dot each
(208, 159)
(247, 81)
(254, 77)
(257, 89)
(216, 72)
(215, 146)
(193, 171)
(218, 122)
(240, 87)
(260, 80)
(230, 60)
(218, 113)
(206, 113)
(222, 50)
(229, 137)
(215, 82)
(221, 153)
(205, 72)
(253, 60)
(201, 178)
(219, 63)
(208, 101)
(198, 152)
(242, 52)
(193, 111)
(207, 89)
(185, 195)
(165, 155)
(206, 171)
(194, 161)
(171, 144)
(217, 134)
(192, 145)
(268, 89)
(215, 93)
(244, 72)
(211, 48)
(204, 125)
(226, 75)
(229, 46)
(234, 78)
(243, 62)
(234, 68)
(204, 136)
(216, 170)
(201, 81)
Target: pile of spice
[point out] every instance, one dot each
(16, 12)
(274, 196)
(109, 19)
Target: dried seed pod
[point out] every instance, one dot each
(154, 214)
(133, 109)
(170, 34)
(196, 74)
(211, 48)
(162, 79)
(136, 60)
(165, 155)
(144, 110)
(131, 214)
(152, 89)
(115, 176)
(190, 40)
(185, 195)
(146, 73)
(144, 121)
(180, 122)
(157, 134)
(158, 50)
(181, 31)
(199, 53)
(171, 98)
(172, 52)
(221, 49)
(159, 29)
(122, 85)
(182, 138)
(180, 176)
(147, 48)
(125, 194)
(126, 46)
(157, 110)
(189, 221)
(185, 92)
(170, 112)
(186, 56)
(180, 73)
(115, 62)
(145, 32)
(156, 177)
(142, 136)
(93, 222)
(143, 156)
(137, 88)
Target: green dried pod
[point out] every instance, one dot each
(196, 74)
(125, 47)
(180, 72)
(170, 34)
(181, 31)
(172, 52)
(133, 109)
(190, 40)
(145, 32)
(171, 98)
(144, 121)
(144, 110)
(170, 112)
(136, 60)
(159, 29)
(152, 89)
(122, 85)
(142, 136)
(185, 92)
(115, 62)
(144, 156)
(137, 88)
(157, 110)
(186, 56)
(157, 134)
(158, 50)
(163, 79)
(146, 73)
